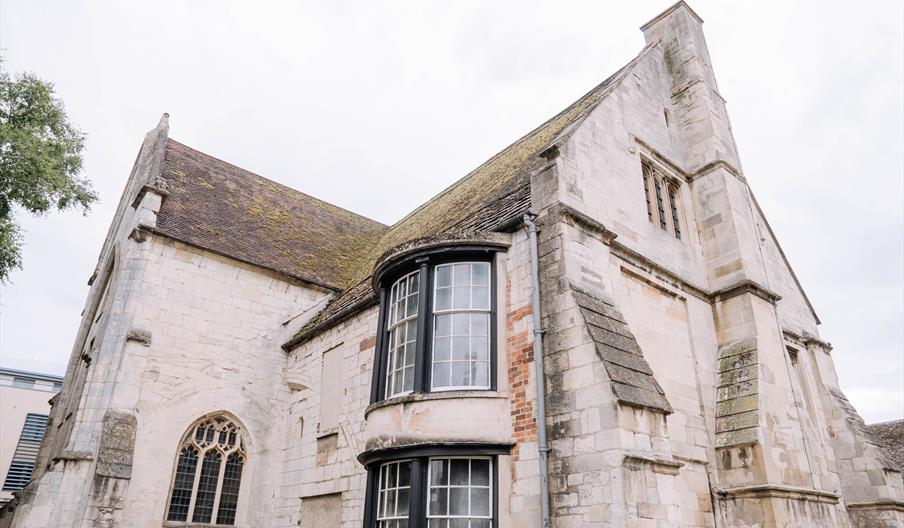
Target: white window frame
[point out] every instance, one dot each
(394, 324)
(452, 311)
(387, 521)
(489, 487)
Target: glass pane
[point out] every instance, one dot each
(480, 523)
(461, 324)
(460, 348)
(458, 523)
(439, 472)
(480, 274)
(182, 485)
(462, 275)
(462, 298)
(460, 374)
(438, 523)
(207, 487)
(480, 349)
(441, 347)
(458, 501)
(229, 495)
(441, 375)
(412, 305)
(481, 298)
(480, 374)
(439, 499)
(443, 325)
(409, 354)
(444, 299)
(405, 474)
(480, 472)
(391, 476)
(443, 276)
(480, 501)
(403, 500)
(459, 473)
(409, 379)
(480, 324)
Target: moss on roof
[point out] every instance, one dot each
(486, 198)
(223, 208)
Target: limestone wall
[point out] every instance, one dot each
(202, 334)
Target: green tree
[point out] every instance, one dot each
(40, 160)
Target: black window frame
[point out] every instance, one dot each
(420, 456)
(425, 262)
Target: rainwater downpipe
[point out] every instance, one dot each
(540, 381)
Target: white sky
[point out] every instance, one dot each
(377, 106)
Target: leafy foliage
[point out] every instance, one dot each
(40, 160)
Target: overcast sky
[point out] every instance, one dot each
(377, 106)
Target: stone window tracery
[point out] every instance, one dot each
(208, 473)
(663, 200)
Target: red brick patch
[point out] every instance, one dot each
(370, 342)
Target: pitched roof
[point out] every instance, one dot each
(488, 197)
(890, 437)
(228, 210)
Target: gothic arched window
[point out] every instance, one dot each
(208, 473)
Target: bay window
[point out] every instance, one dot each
(437, 325)
(433, 490)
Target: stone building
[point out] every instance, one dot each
(252, 356)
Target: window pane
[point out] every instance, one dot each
(443, 325)
(480, 349)
(394, 494)
(461, 324)
(441, 374)
(444, 298)
(207, 486)
(460, 348)
(229, 496)
(182, 484)
(480, 501)
(458, 501)
(480, 472)
(480, 324)
(461, 298)
(439, 500)
(465, 498)
(439, 471)
(480, 374)
(480, 298)
(459, 473)
(460, 374)
(461, 275)
(480, 274)
(441, 348)
(443, 276)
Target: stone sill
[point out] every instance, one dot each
(430, 396)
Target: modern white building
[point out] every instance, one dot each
(24, 409)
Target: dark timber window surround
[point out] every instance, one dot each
(434, 487)
(437, 323)
(662, 199)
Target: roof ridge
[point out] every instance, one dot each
(264, 178)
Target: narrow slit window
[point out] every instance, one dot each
(662, 197)
(673, 204)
